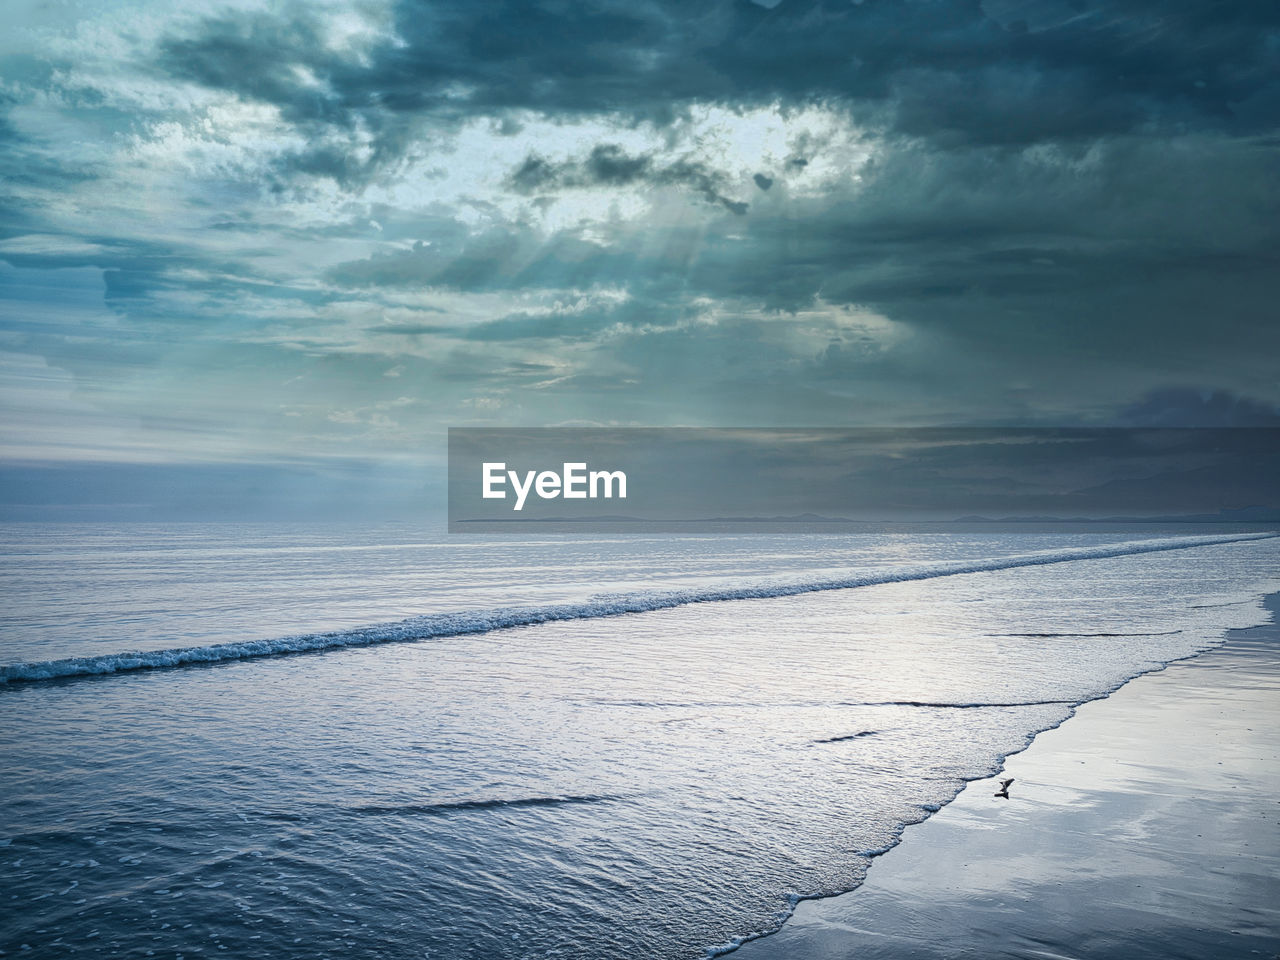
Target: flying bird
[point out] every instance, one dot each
(1004, 788)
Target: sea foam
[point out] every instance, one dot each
(463, 623)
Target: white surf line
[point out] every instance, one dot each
(442, 625)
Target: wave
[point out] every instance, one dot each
(440, 625)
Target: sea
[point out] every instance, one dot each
(288, 741)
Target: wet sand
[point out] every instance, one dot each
(1147, 826)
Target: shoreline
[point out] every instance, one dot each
(1143, 826)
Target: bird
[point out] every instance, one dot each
(1004, 788)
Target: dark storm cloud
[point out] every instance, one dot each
(958, 209)
(952, 71)
(608, 165)
(946, 237)
(1060, 207)
(956, 225)
(1192, 407)
(949, 72)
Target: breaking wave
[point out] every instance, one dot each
(483, 621)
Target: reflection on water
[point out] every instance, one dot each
(653, 784)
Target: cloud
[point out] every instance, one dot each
(952, 72)
(642, 212)
(1192, 407)
(608, 165)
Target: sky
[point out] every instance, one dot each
(256, 257)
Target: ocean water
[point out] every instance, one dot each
(500, 748)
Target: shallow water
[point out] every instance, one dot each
(657, 783)
(1143, 829)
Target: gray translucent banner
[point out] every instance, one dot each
(741, 480)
